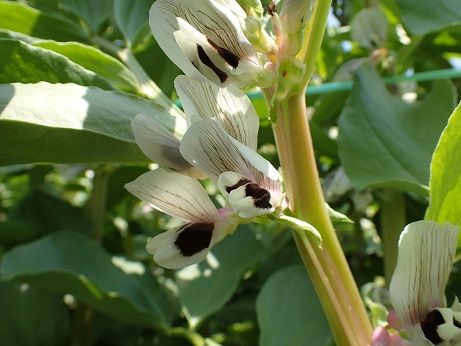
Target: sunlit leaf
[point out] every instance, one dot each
(445, 182)
(30, 21)
(75, 124)
(22, 62)
(384, 141)
(95, 60)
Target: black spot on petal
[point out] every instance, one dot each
(227, 55)
(193, 238)
(456, 323)
(241, 182)
(260, 196)
(430, 324)
(205, 59)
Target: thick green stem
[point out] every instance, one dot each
(393, 220)
(327, 266)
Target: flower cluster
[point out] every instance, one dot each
(210, 41)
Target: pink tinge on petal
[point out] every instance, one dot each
(393, 320)
(381, 337)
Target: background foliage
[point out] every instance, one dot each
(73, 264)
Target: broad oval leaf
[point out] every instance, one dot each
(95, 60)
(205, 287)
(445, 182)
(67, 262)
(75, 124)
(289, 312)
(421, 17)
(30, 21)
(131, 17)
(22, 62)
(386, 142)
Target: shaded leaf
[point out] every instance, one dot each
(30, 21)
(289, 312)
(94, 13)
(76, 124)
(132, 17)
(97, 61)
(204, 288)
(22, 62)
(32, 317)
(384, 141)
(68, 262)
(422, 17)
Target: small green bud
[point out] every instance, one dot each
(253, 8)
(258, 37)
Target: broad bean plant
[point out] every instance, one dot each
(230, 172)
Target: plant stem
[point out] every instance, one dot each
(327, 266)
(393, 220)
(96, 205)
(95, 210)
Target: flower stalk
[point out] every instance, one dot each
(327, 266)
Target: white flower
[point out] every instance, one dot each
(417, 289)
(205, 38)
(182, 197)
(251, 184)
(200, 99)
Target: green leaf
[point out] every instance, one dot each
(22, 62)
(386, 142)
(445, 182)
(421, 17)
(132, 18)
(94, 13)
(27, 20)
(68, 262)
(289, 312)
(204, 288)
(369, 28)
(75, 124)
(97, 61)
(32, 317)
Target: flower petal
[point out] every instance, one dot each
(217, 24)
(175, 194)
(207, 146)
(188, 244)
(425, 260)
(229, 105)
(158, 144)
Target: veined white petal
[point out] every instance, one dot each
(175, 194)
(207, 146)
(212, 19)
(229, 105)
(158, 144)
(188, 244)
(264, 173)
(425, 259)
